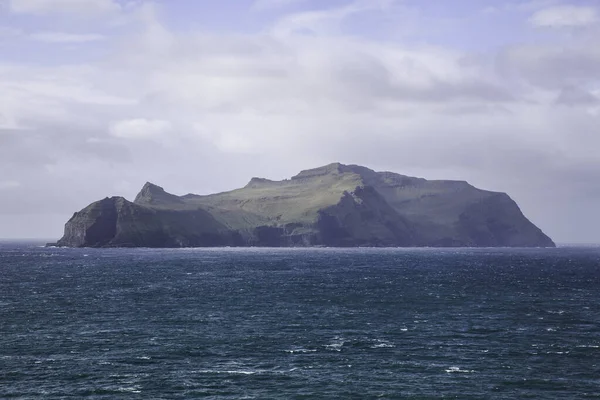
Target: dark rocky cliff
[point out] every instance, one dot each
(334, 205)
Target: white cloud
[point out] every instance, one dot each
(51, 95)
(84, 7)
(565, 17)
(140, 128)
(272, 4)
(324, 21)
(68, 38)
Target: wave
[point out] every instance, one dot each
(452, 370)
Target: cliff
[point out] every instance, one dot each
(334, 205)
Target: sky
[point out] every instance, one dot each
(99, 96)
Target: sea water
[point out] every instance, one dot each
(299, 323)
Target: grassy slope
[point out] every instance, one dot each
(298, 200)
(434, 210)
(263, 202)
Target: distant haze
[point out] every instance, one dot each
(100, 96)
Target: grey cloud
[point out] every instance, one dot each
(53, 142)
(87, 8)
(470, 90)
(374, 80)
(576, 96)
(474, 109)
(24, 149)
(551, 67)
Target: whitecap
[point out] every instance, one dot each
(130, 389)
(458, 370)
(300, 350)
(336, 344)
(230, 371)
(382, 344)
(241, 372)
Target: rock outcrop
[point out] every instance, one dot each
(335, 205)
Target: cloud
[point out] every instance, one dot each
(304, 91)
(140, 129)
(576, 96)
(81, 7)
(9, 33)
(6, 185)
(574, 63)
(273, 4)
(36, 96)
(326, 21)
(565, 17)
(519, 6)
(69, 38)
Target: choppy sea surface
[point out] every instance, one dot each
(299, 323)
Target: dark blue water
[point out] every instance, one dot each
(299, 324)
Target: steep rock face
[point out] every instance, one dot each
(333, 205)
(93, 226)
(363, 218)
(498, 221)
(116, 222)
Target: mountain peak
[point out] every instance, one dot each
(152, 187)
(329, 169)
(152, 194)
(337, 168)
(258, 182)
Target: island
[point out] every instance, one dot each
(335, 205)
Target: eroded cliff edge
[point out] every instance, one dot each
(335, 205)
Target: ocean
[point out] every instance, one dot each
(299, 323)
